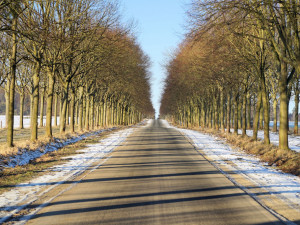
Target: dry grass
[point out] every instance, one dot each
(286, 160)
(22, 139)
(19, 174)
(12, 176)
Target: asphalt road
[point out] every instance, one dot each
(156, 177)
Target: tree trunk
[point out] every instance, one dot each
(83, 110)
(55, 108)
(104, 114)
(7, 86)
(107, 122)
(80, 103)
(42, 107)
(123, 114)
(72, 109)
(13, 67)
(261, 118)
(76, 113)
(87, 113)
(92, 108)
(207, 115)
(97, 116)
(216, 122)
(202, 115)
(112, 112)
(31, 108)
(275, 102)
(244, 131)
(222, 110)
(232, 114)
(248, 111)
(65, 93)
(236, 114)
(296, 108)
(101, 114)
(117, 113)
(283, 127)
(256, 117)
(240, 113)
(68, 113)
(128, 117)
(22, 96)
(228, 112)
(35, 106)
(60, 107)
(210, 120)
(51, 82)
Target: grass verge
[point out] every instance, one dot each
(10, 177)
(286, 160)
(22, 139)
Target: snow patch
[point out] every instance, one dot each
(165, 124)
(23, 194)
(284, 186)
(24, 155)
(149, 122)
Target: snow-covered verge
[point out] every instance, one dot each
(11, 202)
(24, 156)
(284, 186)
(294, 141)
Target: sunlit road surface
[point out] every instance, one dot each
(156, 177)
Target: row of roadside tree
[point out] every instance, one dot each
(75, 57)
(238, 62)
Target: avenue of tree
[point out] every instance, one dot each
(239, 61)
(76, 58)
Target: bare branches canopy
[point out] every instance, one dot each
(77, 59)
(237, 59)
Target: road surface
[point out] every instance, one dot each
(155, 177)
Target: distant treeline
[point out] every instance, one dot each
(72, 59)
(239, 61)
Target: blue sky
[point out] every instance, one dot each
(160, 28)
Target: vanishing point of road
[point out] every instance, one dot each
(155, 177)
